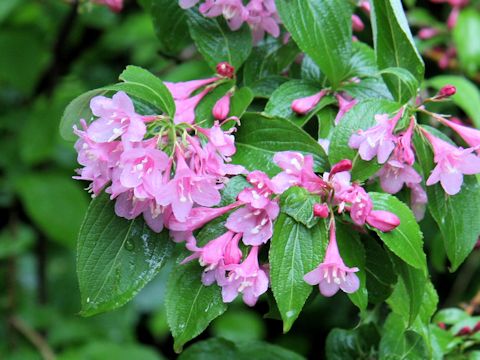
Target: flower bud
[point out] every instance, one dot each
(383, 220)
(222, 107)
(320, 210)
(342, 165)
(224, 69)
(442, 325)
(304, 105)
(427, 33)
(466, 330)
(357, 23)
(446, 91)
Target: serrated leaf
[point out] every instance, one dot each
(190, 305)
(294, 251)
(116, 257)
(298, 204)
(260, 137)
(217, 43)
(170, 23)
(406, 240)
(322, 29)
(361, 116)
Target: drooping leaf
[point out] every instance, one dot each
(260, 137)
(321, 29)
(294, 251)
(116, 257)
(381, 276)
(190, 305)
(216, 42)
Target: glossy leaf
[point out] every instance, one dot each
(381, 276)
(298, 204)
(116, 257)
(322, 29)
(294, 251)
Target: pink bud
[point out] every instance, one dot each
(383, 220)
(427, 33)
(343, 165)
(304, 105)
(222, 107)
(320, 210)
(446, 91)
(477, 327)
(365, 6)
(466, 330)
(357, 23)
(442, 325)
(224, 69)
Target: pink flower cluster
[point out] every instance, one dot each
(260, 15)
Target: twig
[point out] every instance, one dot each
(34, 337)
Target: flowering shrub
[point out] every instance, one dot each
(308, 157)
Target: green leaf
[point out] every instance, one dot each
(294, 251)
(458, 216)
(451, 316)
(217, 43)
(394, 45)
(465, 36)
(280, 103)
(406, 240)
(352, 344)
(399, 343)
(116, 257)
(260, 137)
(55, 203)
(407, 297)
(16, 241)
(405, 77)
(381, 277)
(361, 116)
(98, 350)
(170, 23)
(353, 253)
(240, 102)
(298, 203)
(190, 305)
(265, 87)
(322, 29)
(467, 96)
(239, 325)
(144, 85)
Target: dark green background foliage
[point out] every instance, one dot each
(52, 52)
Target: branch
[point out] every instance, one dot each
(34, 337)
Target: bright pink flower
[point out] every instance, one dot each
(446, 91)
(344, 106)
(129, 207)
(198, 217)
(403, 151)
(357, 23)
(451, 164)
(187, 189)
(141, 170)
(297, 171)
(383, 220)
(361, 205)
(232, 10)
(256, 225)
(418, 200)
(377, 141)
(427, 33)
(394, 174)
(321, 210)
(183, 90)
(247, 278)
(304, 105)
(470, 135)
(342, 165)
(223, 141)
(114, 5)
(332, 274)
(222, 107)
(185, 109)
(116, 117)
(263, 17)
(258, 196)
(216, 254)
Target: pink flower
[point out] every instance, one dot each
(394, 174)
(222, 107)
(377, 141)
(223, 141)
(183, 90)
(116, 117)
(185, 109)
(321, 210)
(216, 254)
(403, 151)
(258, 196)
(297, 171)
(263, 17)
(332, 274)
(187, 189)
(232, 10)
(418, 200)
(256, 225)
(446, 91)
(114, 5)
(470, 135)
(357, 23)
(129, 207)
(427, 33)
(247, 278)
(344, 106)
(451, 164)
(383, 220)
(361, 205)
(304, 105)
(341, 166)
